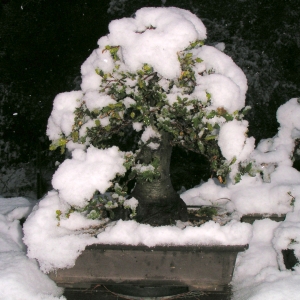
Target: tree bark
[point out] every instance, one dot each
(159, 203)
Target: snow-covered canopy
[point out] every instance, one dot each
(162, 39)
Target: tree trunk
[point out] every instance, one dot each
(159, 204)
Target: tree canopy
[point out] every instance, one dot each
(152, 80)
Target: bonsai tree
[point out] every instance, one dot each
(151, 85)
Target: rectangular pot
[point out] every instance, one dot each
(205, 268)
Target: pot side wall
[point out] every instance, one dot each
(200, 268)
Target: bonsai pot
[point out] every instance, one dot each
(152, 272)
(253, 217)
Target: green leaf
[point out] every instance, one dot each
(211, 114)
(93, 215)
(233, 161)
(207, 211)
(210, 137)
(107, 128)
(209, 127)
(147, 68)
(208, 96)
(53, 147)
(113, 51)
(97, 122)
(228, 117)
(146, 120)
(248, 168)
(96, 112)
(106, 109)
(216, 126)
(238, 177)
(195, 44)
(201, 147)
(246, 110)
(189, 55)
(127, 165)
(59, 143)
(62, 149)
(99, 72)
(58, 214)
(62, 142)
(75, 136)
(141, 83)
(196, 122)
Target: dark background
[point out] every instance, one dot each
(44, 42)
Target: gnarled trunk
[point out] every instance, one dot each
(159, 204)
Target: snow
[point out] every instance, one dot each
(223, 64)
(96, 167)
(131, 203)
(96, 100)
(226, 82)
(256, 275)
(62, 117)
(55, 235)
(20, 276)
(137, 126)
(8, 208)
(128, 102)
(148, 134)
(58, 244)
(174, 30)
(220, 46)
(211, 233)
(234, 142)
(225, 92)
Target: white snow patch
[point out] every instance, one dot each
(137, 126)
(149, 133)
(154, 37)
(62, 116)
(20, 277)
(78, 178)
(233, 140)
